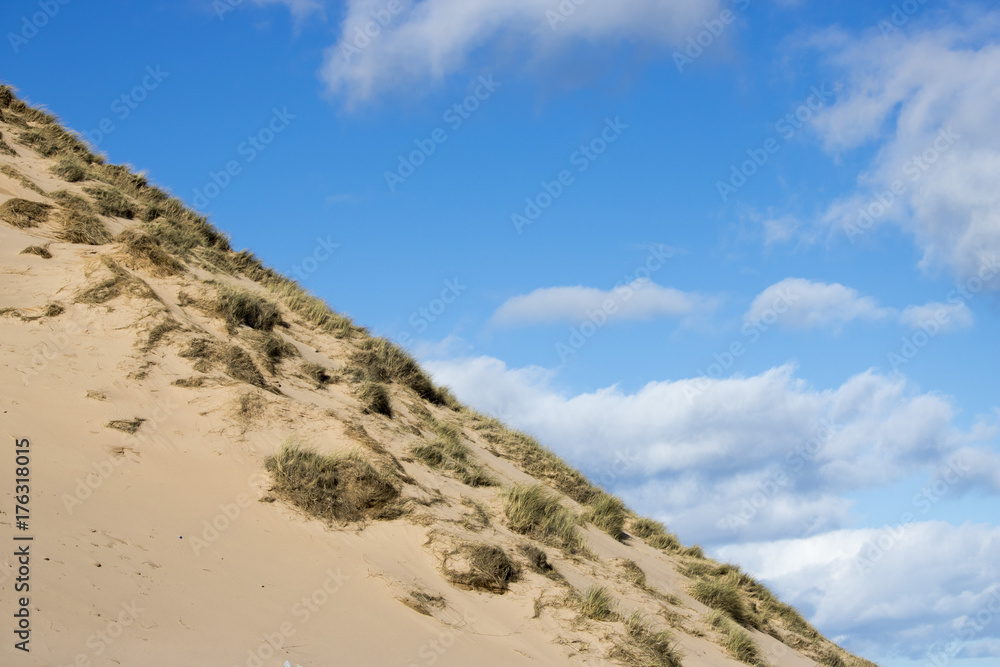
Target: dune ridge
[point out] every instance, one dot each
(225, 471)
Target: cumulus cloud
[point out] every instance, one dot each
(862, 584)
(640, 299)
(925, 104)
(797, 303)
(946, 316)
(427, 40)
(759, 457)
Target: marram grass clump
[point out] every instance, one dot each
(333, 487)
(535, 511)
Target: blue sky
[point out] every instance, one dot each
(637, 230)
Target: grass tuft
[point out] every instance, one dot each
(12, 172)
(41, 251)
(22, 213)
(449, 453)
(317, 373)
(381, 360)
(736, 640)
(723, 594)
(112, 202)
(142, 251)
(534, 459)
(485, 567)
(654, 648)
(374, 398)
(130, 426)
(341, 487)
(536, 511)
(608, 513)
(70, 170)
(239, 307)
(598, 604)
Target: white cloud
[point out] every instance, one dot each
(908, 587)
(640, 299)
(300, 9)
(695, 451)
(927, 103)
(430, 39)
(797, 303)
(946, 316)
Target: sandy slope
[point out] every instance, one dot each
(127, 567)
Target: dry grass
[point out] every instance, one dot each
(534, 459)
(448, 452)
(5, 148)
(633, 573)
(41, 251)
(112, 202)
(242, 308)
(317, 373)
(54, 310)
(78, 226)
(240, 366)
(380, 360)
(233, 359)
(70, 170)
(736, 640)
(374, 398)
(141, 251)
(120, 282)
(12, 172)
(724, 595)
(647, 647)
(341, 487)
(157, 333)
(272, 348)
(598, 604)
(655, 534)
(607, 513)
(22, 213)
(482, 567)
(130, 426)
(535, 511)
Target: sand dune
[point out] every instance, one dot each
(159, 535)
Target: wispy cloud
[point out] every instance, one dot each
(924, 102)
(640, 299)
(797, 303)
(428, 40)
